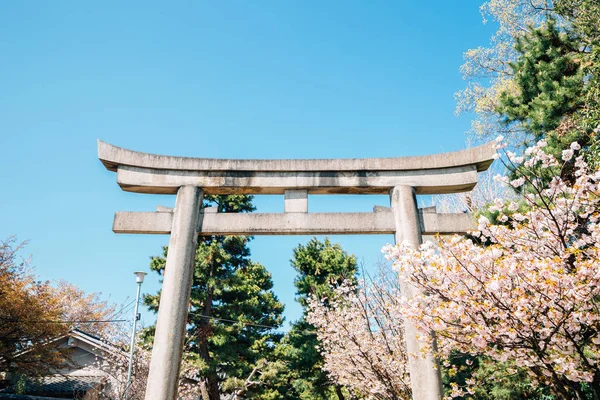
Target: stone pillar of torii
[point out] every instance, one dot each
(190, 178)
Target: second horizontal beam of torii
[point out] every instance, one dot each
(211, 223)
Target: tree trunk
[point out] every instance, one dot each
(213, 387)
(209, 389)
(210, 384)
(338, 391)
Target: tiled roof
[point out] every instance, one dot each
(62, 384)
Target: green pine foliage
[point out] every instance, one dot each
(232, 310)
(583, 126)
(557, 78)
(500, 381)
(321, 266)
(583, 16)
(299, 375)
(549, 79)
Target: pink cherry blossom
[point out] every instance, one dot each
(530, 293)
(362, 341)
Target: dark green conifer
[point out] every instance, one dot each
(232, 308)
(549, 81)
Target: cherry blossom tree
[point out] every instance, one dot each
(361, 335)
(526, 290)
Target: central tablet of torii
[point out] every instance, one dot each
(191, 178)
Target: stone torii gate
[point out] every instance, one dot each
(190, 178)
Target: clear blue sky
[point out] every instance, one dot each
(231, 79)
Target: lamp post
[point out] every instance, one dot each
(139, 279)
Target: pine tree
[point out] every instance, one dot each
(553, 92)
(232, 309)
(321, 266)
(549, 81)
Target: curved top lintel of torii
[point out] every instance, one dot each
(113, 156)
(434, 174)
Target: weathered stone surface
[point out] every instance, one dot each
(177, 283)
(379, 222)
(435, 174)
(295, 201)
(113, 157)
(425, 377)
(432, 181)
(159, 222)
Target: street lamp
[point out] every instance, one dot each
(139, 279)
